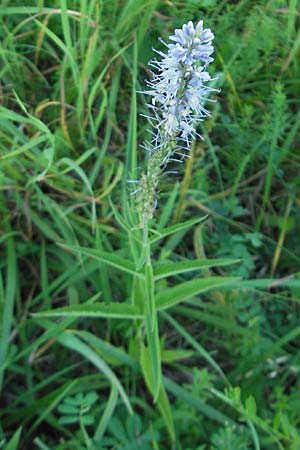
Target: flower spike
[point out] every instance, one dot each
(178, 89)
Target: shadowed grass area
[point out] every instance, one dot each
(77, 367)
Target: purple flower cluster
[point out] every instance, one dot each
(178, 88)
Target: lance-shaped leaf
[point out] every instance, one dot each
(159, 234)
(171, 296)
(175, 268)
(110, 259)
(105, 310)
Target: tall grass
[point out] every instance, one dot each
(76, 368)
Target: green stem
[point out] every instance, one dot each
(149, 279)
(85, 435)
(151, 317)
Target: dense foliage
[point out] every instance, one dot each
(70, 135)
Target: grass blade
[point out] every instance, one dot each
(7, 302)
(201, 350)
(106, 416)
(13, 444)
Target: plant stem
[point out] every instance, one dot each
(151, 316)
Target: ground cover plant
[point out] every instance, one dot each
(99, 350)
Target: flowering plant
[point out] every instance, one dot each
(178, 89)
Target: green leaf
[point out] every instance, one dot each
(150, 357)
(23, 148)
(268, 283)
(90, 398)
(88, 419)
(171, 296)
(74, 401)
(68, 420)
(250, 405)
(117, 429)
(150, 299)
(133, 426)
(113, 260)
(169, 356)
(112, 355)
(104, 310)
(106, 416)
(159, 234)
(164, 406)
(63, 408)
(7, 301)
(176, 268)
(13, 444)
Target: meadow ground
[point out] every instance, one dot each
(98, 350)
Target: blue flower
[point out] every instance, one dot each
(178, 87)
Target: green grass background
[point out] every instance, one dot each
(70, 132)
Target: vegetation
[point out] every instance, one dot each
(79, 368)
